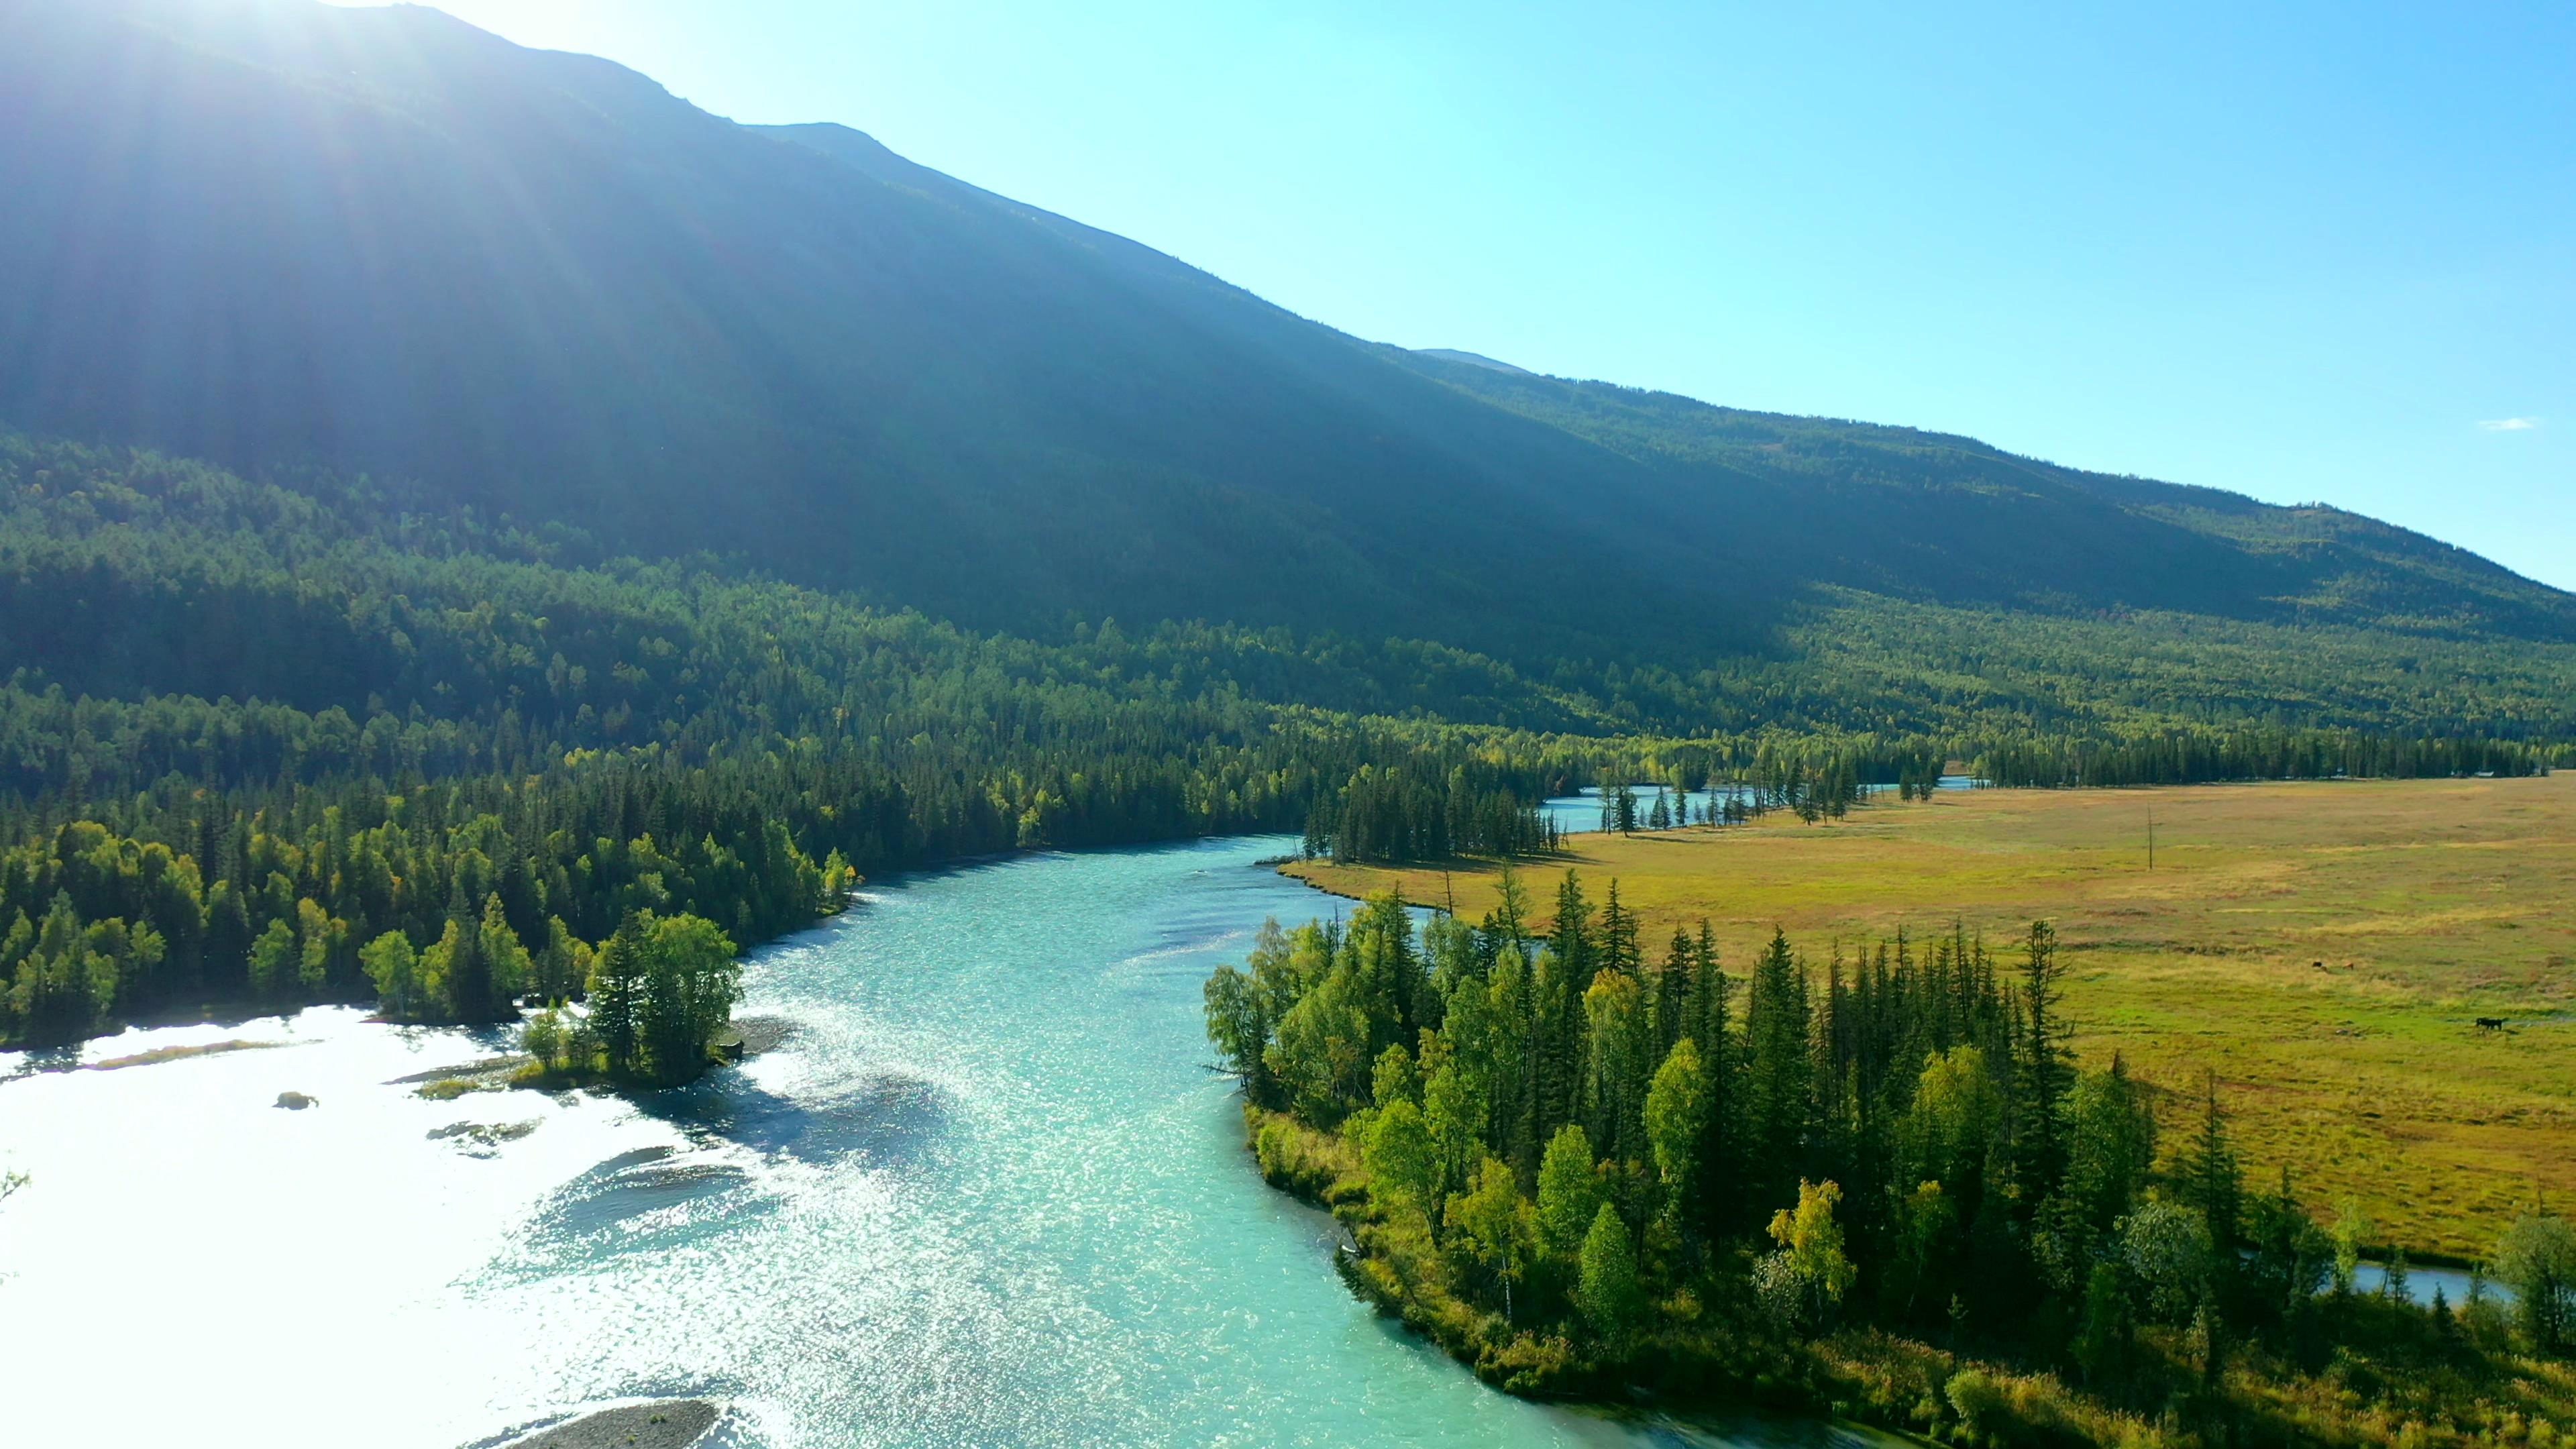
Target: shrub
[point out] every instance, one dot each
(1978, 1400)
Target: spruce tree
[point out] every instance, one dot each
(1618, 936)
(1672, 987)
(465, 971)
(616, 995)
(1571, 961)
(1720, 1176)
(2043, 1068)
(505, 959)
(1778, 1068)
(2211, 1180)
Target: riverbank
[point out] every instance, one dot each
(1701, 1360)
(2378, 1373)
(749, 1037)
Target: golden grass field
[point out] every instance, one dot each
(2429, 903)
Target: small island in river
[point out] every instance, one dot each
(661, 1424)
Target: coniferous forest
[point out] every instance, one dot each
(1587, 1161)
(270, 744)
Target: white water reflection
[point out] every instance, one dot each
(987, 1193)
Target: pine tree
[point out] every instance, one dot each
(2211, 1180)
(1672, 988)
(64, 988)
(505, 959)
(563, 966)
(616, 995)
(461, 973)
(1720, 1176)
(2043, 1068)
(2102, 1345)
(671, 1052)
(1618, 936)
(1778, 1069)
(1564, 970)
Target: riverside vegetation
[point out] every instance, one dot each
(1584, 1162)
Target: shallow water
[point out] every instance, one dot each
(2454, 1284)
(1581, 811)
(989, 1193)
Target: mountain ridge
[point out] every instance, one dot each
(536, 284)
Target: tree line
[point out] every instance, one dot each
(2192, 757)
(1399, 814)
(1587, 1146)
(447, 902)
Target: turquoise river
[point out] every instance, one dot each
(989, 1192)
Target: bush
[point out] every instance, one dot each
(1978, 1400)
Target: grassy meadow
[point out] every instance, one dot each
(2324, 947)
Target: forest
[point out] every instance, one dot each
(1584, 1162)
(252, 729)
(252, 735)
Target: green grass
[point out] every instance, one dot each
(2428, 903)
(448, 1089)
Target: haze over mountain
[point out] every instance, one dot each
(280, 235)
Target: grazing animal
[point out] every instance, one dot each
(2490, 1023)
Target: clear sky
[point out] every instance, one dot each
(2319, 251)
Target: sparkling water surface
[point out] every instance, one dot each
(990, 1192)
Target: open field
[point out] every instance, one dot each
(2324, 947)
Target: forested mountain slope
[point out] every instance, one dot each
(281, 235)
(384, 241)
(1925, 515)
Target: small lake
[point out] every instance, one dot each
(1582, 811)
(988, 1193)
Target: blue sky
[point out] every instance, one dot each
(2306, 252)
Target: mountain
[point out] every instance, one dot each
(1927, 515)
(1471, 359)
(291, 238)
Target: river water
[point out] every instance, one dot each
(1581, 811)
(989, 1193)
